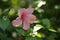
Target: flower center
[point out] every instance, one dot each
(23, 16)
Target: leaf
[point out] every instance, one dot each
(32, 38)
(52, 30)
(4, 23)
(15, 4)
(46, 22)
(39, 35)
(6, 10)
(23, 32)
(14, 1)
(20, 31)
(11, 12)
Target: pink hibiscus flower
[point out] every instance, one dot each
(25, 18)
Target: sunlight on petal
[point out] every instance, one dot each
(41, 3)
(37, 27)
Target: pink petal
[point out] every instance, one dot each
(31, 18)
(16, 22)
(26, 25)
(30, 10)
(20, 12)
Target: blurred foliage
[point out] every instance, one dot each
(48, 20)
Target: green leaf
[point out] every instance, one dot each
(52, 30)
(23, 32)
(14, 1)
(6, 10)
(46, 22)
(39, 35)
(32, 38)
(11, 12)
(20, 31)
(4, 23)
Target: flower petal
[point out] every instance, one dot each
(31, 18)
(30, 10)
(20, 12)
(16, 22)
(26, 25)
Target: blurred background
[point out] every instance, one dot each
(47, 25)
